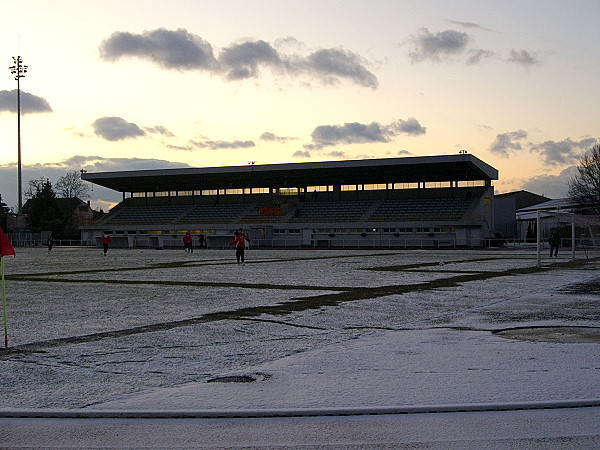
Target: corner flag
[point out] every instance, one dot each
(6, 249)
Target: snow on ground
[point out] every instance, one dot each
(167, 330)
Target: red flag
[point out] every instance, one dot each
(6, 247)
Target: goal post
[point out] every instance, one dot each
(586, 222)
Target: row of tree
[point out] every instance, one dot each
(48, 207)
(4, 211)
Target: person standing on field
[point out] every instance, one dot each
(554, 241)
(105, 239)
(239, 241)
(50, 242)
(187, 242)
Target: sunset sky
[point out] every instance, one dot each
(123, 85)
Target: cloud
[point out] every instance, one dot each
(219, 145)
(159, 129)
(101, 164)
(506, 142)
(410, 126)
(331, 64)
(349, 133)
(181, 50)
(562, 152)
(483, 127)
(116, 129)
(241, 61)
(437, 46)
(29, 103)
(337, 154)
(523, 58)
(358, 133)
(476, 56)
(551, 186)
(444, 45)
(301, 154)
(185, 148)
(178, 50)
(272, 137)
(469, 25)
(53, 171)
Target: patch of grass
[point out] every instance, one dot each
(341, 295)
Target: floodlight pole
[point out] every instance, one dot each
(19, 71)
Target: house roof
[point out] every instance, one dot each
(556, 205)
(62, 203)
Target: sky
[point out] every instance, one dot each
(113, 85)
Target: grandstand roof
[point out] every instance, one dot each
(368, 171)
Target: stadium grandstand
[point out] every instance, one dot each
(423, 202)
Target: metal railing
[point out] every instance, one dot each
(581, 243)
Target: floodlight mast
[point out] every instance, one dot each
(19, 70)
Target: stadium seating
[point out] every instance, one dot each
(342, 211)
(226, 213)
(388, 210)
(411, 209)
(146, 214)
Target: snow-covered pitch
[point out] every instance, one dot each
(166, 330)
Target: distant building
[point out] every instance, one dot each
(15, 222)
(505, 211)
(424, 202)
(73, 211)
(557, 214)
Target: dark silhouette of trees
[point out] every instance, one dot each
(42, 207)
(584, 187)
(4, 210)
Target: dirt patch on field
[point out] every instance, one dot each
(563, 335)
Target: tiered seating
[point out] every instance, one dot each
(226, 213)
(342, 211)
(390, 210)
(254, 215)
(147, 214)
(413, 209)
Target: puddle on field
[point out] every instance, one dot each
(563, 335)
(259, 376)
(591, 287)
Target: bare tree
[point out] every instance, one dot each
(584, 187)
(35, 187)
(71, 185)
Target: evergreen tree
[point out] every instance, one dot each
(4, 210)
(43, 212)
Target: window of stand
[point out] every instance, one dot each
(375, 187)
(471, 183)
(310, 189)
(438, 184)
